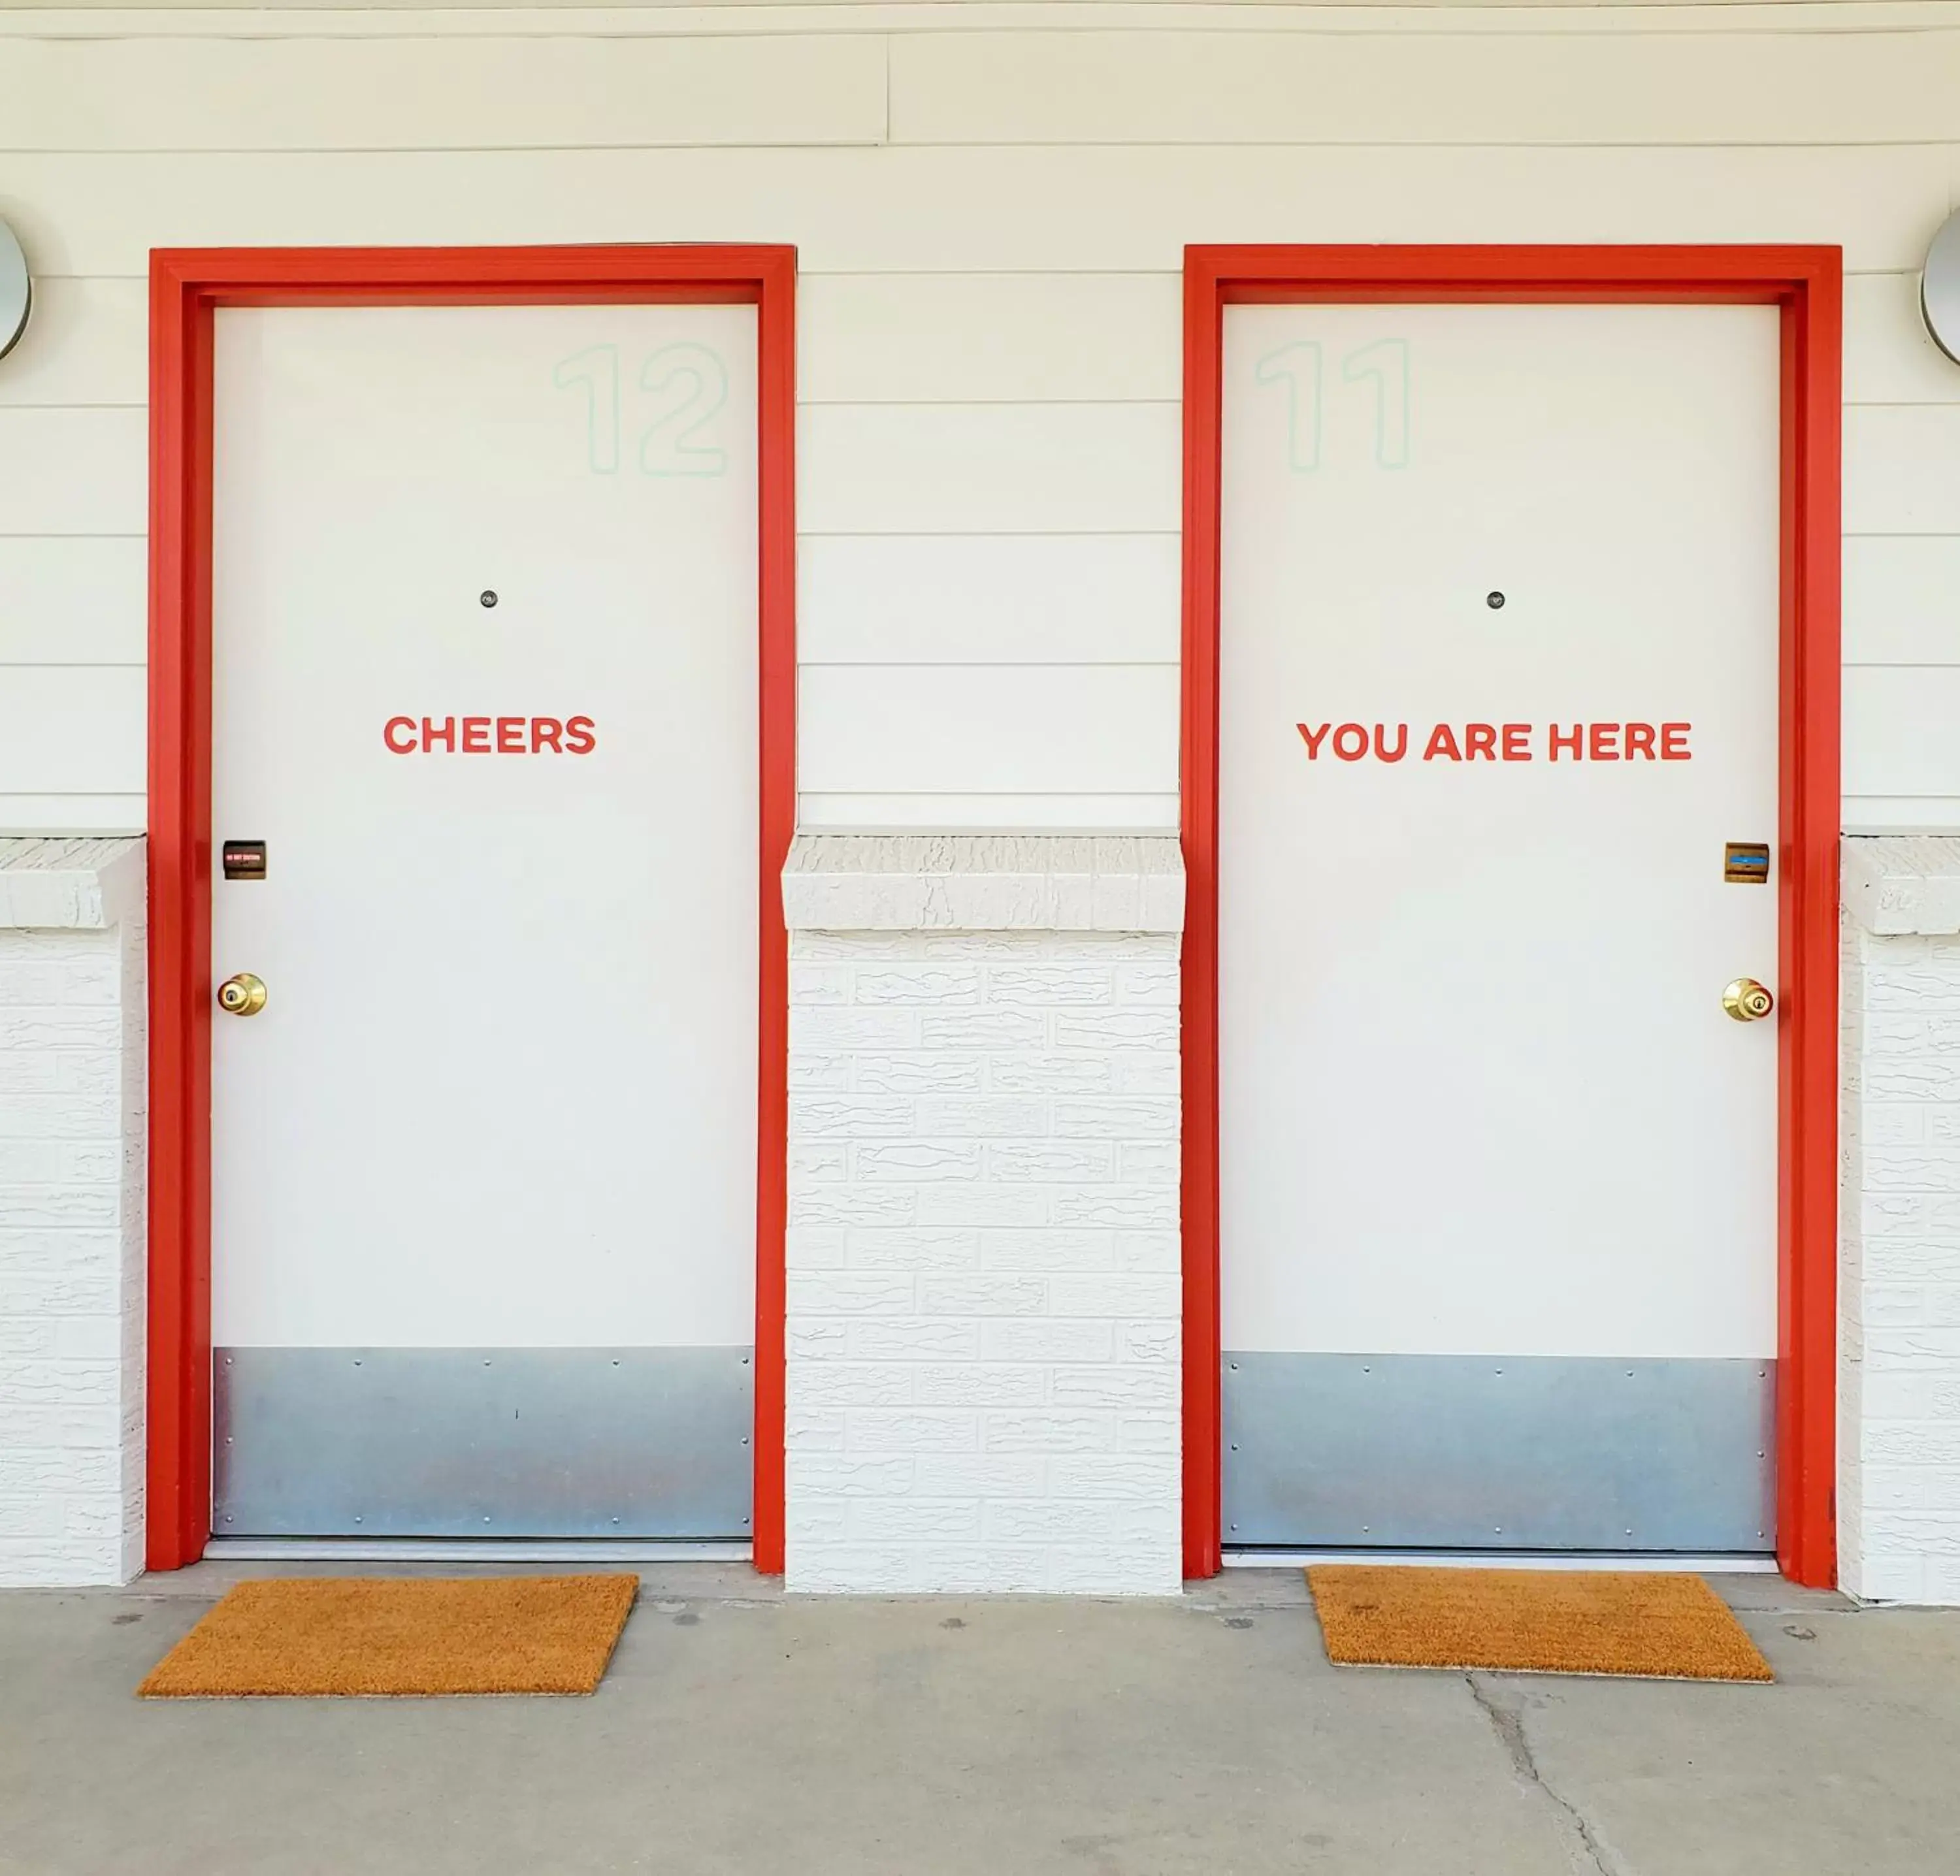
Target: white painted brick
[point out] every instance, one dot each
(815, 1429)
(814, 1247)
(1116, 1206)
(912, 1430)
(1149, 1341)
(1099, 1524)
(912, 1251)
(1126, 1119)
(814, 984)
(910, 1520)
(1149, 1433)
(987, 1475)
(983, 1029)
(1139, 1569)
(1045, 1339)
(851, 1203)
(1116, 1029)
(63, 1117)
(810, 1341)
(1157, 1251)
(914, 1339)
(1148, 983)
(1156, 1385)
(1150, 1479)
(976, 1204)
(819, 1074)
(1058, 1162)
(917, 1160)
(55, 1027)
(982, 1294)
(939, 984)
(850, 1293)
(975, 1374)
(1050, 1431)
(980, 1116)
(58, 1205)
(1051, 1074)
(810, 1522)
(1050, 986)
(837, 1032)
(1120, 1295)
(981, 1384)
(819, 1383)
(817, 1163)
(817, 1569)
(921, 1072)
(849, 1117)
(814, 1477)
(1150, 1163)
(1048, 1250)
(1899, 1332)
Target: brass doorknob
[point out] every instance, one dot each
(243, 995)
(1747, 1000)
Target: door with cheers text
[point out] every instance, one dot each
(485, 811)
(1498, 788)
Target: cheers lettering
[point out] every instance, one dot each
(489, 735)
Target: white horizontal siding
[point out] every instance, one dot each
(927, 729)
(1889, 357)
(72, 814)
(74, 471)
(88, 342)
(1902, 600)
(1902, 469)
(1020, 599)
(1902, 732)
(72, 730)
(910, 812)
(988, 468)
(72, 600)
(990, 316)
(440, 93)
(895, 339)
(1288, 88)
(971, 210)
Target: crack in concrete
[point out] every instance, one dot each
(1582, 1845)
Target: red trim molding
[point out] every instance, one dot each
(186, 286)
(1806, 283)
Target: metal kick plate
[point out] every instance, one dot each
(457, 1442)
(1475, 1452)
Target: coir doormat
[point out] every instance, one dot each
(1652, 1625)
(367, 1634)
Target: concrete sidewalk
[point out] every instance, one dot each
(741, 1731)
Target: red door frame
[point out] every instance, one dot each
(186, 286)
(1806, 284)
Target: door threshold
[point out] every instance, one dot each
(1703, 1562)
(475, 1550)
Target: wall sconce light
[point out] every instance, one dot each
(1940, 289)
(16, 291)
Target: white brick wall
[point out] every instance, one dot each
(983, 1288)
(72, 1094)
(1898, 1495)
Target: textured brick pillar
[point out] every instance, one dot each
(1898, 1493)
(73, 1141)
(984, 1288)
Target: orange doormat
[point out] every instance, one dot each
(300, 1635)
(1648, 1624)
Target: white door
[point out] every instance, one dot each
(484, 1164)
(1499, 690)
